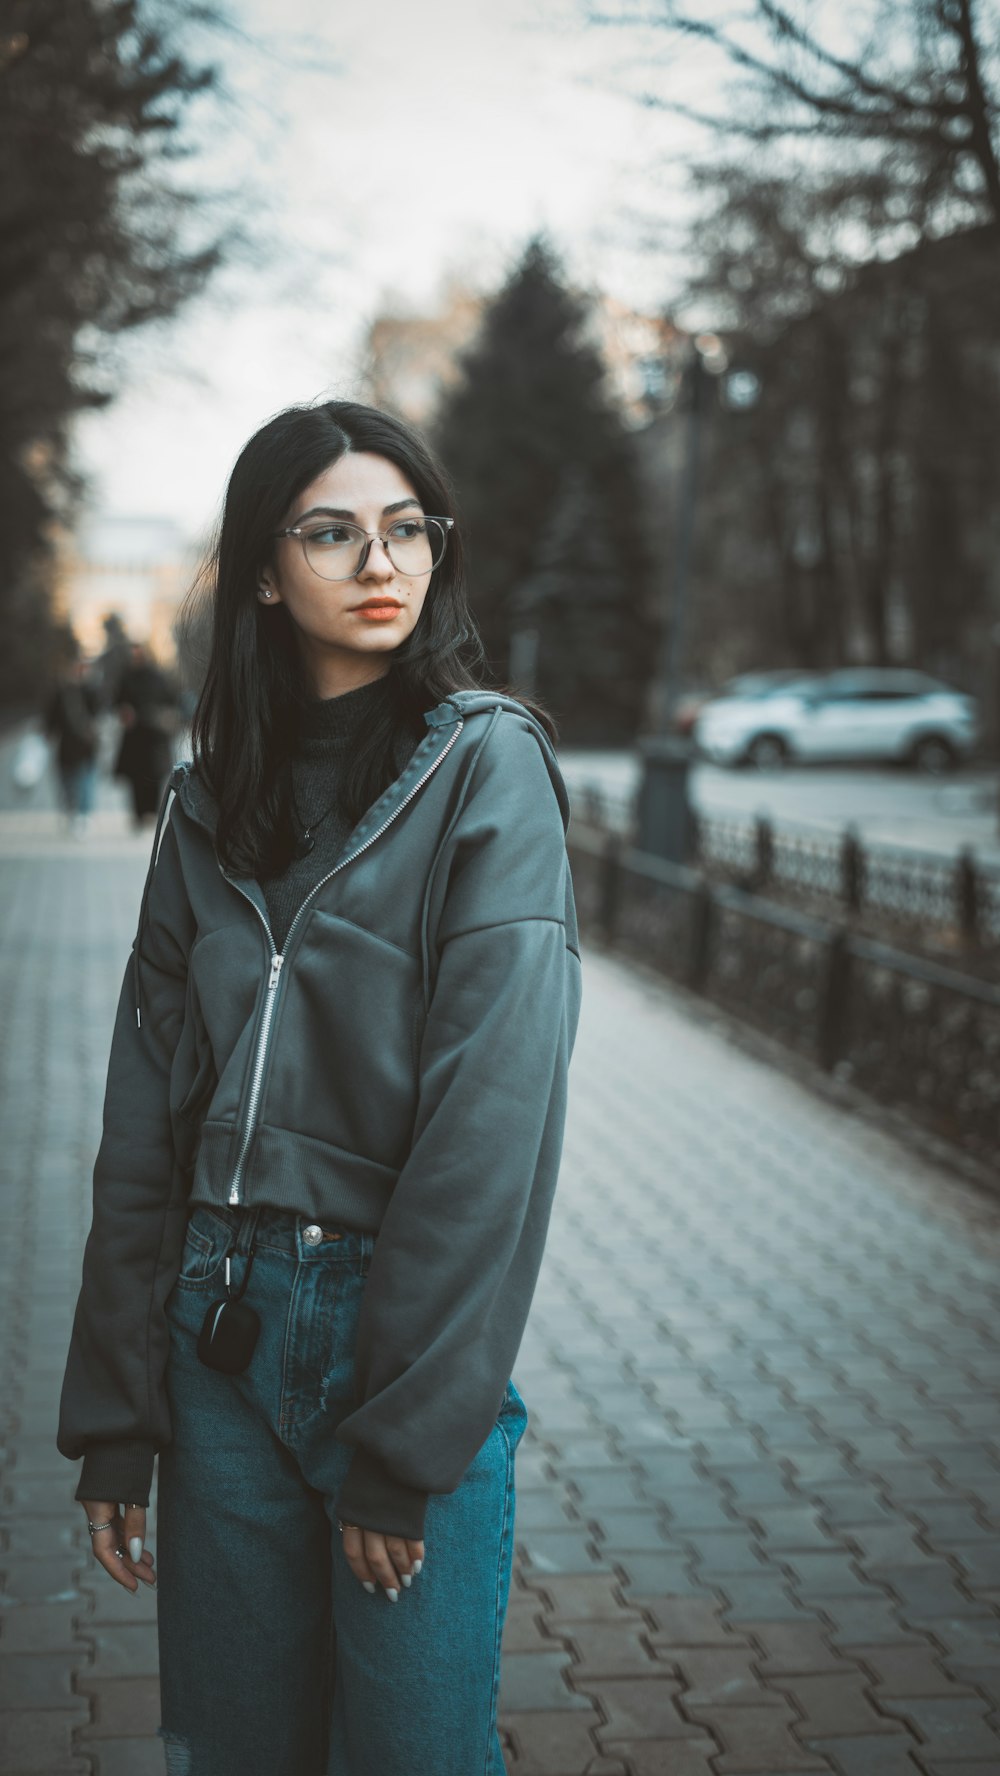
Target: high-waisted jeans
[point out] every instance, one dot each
(274, 1661)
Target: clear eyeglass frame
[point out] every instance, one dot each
(365, 540)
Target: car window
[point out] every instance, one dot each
(874, 687)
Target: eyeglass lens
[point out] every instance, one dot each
(414, 546)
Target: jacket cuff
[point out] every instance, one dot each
(372, 1499)
(120, 1472)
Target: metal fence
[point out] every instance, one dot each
(904, 1030)
(926, 897)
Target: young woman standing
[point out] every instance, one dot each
(333, 1124)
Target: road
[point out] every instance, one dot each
(940, 814)
(758, 1521)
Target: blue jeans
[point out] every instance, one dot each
(79, 785)
(273, 1659)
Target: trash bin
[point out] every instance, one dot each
(666, 825)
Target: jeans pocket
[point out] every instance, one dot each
(206, 1242)
(513, 1418)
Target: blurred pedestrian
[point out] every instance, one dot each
(147, 706)
(71, 719)
(332, 1132)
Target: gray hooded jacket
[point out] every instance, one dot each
(400, 1068)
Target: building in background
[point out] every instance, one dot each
(140, 568)
(411, 358)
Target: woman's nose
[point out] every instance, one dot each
(377, 565)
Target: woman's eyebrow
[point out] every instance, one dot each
(344, 512)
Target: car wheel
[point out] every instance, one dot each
(767, 752)
(934, 754)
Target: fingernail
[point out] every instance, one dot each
(393, 1596)
(418, 1566)
(368, 1585)
(407, 1580)
(135, 1548)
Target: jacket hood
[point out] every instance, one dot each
(198, 801)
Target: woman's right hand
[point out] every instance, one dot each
(114, 1547)
(384, 1560)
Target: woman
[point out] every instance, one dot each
(71, 719)
(147, 704)
(335, 1103)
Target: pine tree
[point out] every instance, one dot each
(548, 491)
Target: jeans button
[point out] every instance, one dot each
(312, 1234)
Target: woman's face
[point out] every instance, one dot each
(333, 634)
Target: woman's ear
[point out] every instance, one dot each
(267, 591)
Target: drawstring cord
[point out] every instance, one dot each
(174, 781)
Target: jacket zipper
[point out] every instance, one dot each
(277, 961)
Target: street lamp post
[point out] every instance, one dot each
(665, 820)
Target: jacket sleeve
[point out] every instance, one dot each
(113, 1408)
(458, 1253)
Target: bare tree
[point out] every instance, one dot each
(98, 237)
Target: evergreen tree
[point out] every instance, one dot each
(548, 489)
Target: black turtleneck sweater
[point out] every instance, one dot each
(328, 732)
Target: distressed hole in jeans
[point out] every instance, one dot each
(178, 1753)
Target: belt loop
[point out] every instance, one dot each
(246, 1231)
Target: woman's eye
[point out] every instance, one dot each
(408, 528)
(330, 534)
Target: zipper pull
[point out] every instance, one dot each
(276, 962)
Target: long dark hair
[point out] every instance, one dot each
(247, 719)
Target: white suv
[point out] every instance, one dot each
(847, 716)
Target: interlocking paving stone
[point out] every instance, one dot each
(629, 1532)
(853, 1621)
(834, 1706)
(644, 1708)
(876, 1756)
(125, 1650)
(786, 1648)
(938, 1768)
(667, 1757)
(948, 1726)
(756, 1739)
(653, 1574)
(38, 1680)
(40, 1628)
(908, 1671)
(128, 1757)
(767, 1597)
(537, 1681)
(580, 1598)
(551, 1744)
(688, 1622)
(40, 1740)
(123, 1707)
(612, 1649)
(723, 1677)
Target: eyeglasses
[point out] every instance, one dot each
(336, 550)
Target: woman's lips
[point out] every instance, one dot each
(379, 613)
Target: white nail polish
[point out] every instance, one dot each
(135, 1548)
(407, 1580)
(368, 1586)
(418, 1566)
(393, 1596)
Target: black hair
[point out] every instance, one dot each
(246, 722)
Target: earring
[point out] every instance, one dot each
(265, 591)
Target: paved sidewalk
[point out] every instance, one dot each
(759, 1500)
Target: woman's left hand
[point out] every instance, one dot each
(385, 1560)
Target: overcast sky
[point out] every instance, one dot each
(388, 146)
